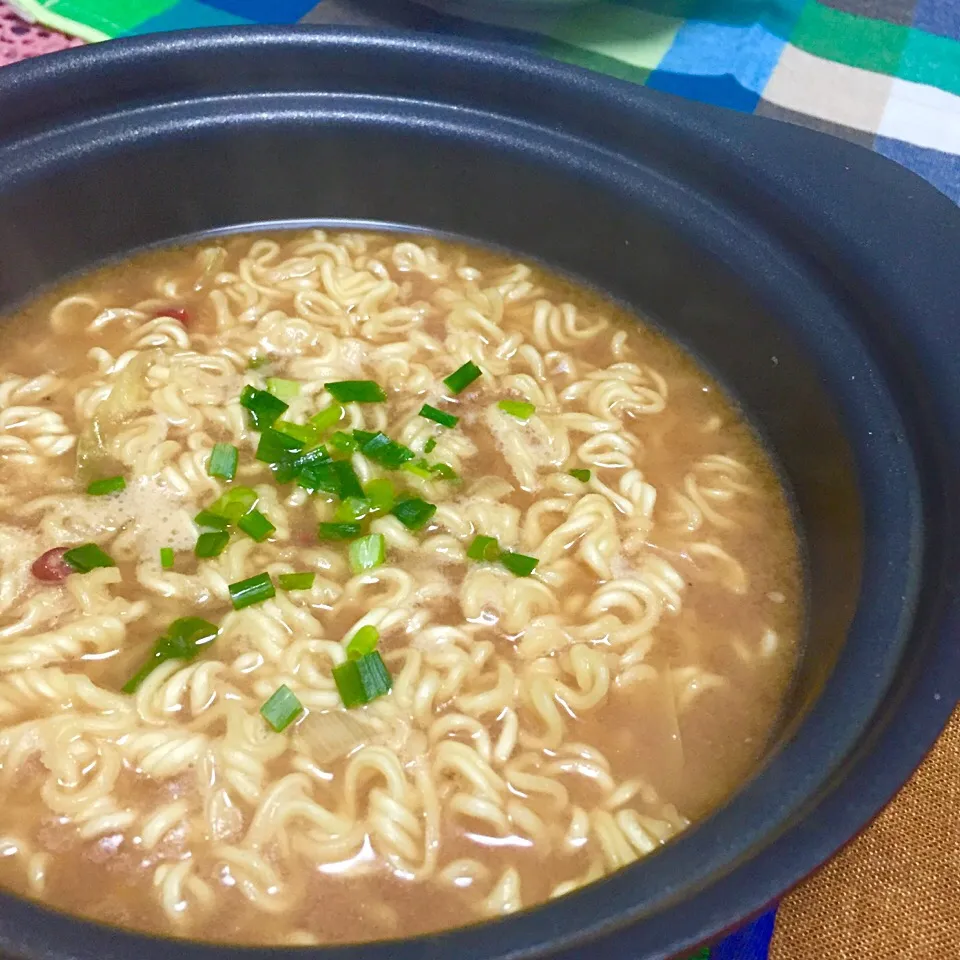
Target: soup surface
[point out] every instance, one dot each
(559, 590)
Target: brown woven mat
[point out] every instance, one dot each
(894, 893)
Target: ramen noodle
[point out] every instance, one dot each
(356, 585)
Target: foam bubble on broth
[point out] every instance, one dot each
(541, 731)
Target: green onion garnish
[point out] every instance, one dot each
(276, 447)
(212, 543)
(484, 548)
(88, 557)
(306, 433)
(444, 471)
(362, 680)
(438, 416)
(430, 445)
(325, 477)
(367, 552)
(296, 581)
(462, 377)
(381, 449)
(183, 640)
(100, 488)
(381, 494)
(327, 417)
(290, 467)
(362, 436)
(264, 407)
(285, 390)
(343, 442)
(256, 589)
(338, 531)
(356, 391)
(282, 708)
(519, 564)
(233, 504)
(166, 558)
(520, 409)
(223, 461)
(351, 509)
(413, 512)
(207, 519)
(254, 524)
(364, 641)
(582, 475)
(419, 468)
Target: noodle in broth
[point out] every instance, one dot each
(541, 731)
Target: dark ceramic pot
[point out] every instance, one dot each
(819, 282)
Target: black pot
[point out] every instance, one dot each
(819, 282)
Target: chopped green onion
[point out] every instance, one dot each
(381, 494)
(520, 409)
(338, 531)
(254, 524)
(223, 461)
(166, 558)
(356, 391)
(183, 640)
(364, 641)
(207, 519)
(264, 407)
(233, 504)
(381, 449)
(347, 478)
(419, 468)
(519, 564)
(484, 548)
(343, 442)
(351, 509)
(285, 390)
(323, 477)
(88, 557)
(296, 581)
(362, 680)
(276, 447)
(212, 543)
(282, 708)
(257, 361)
(327, 417)
(100, 488)
(289, 468)
(413, 512)
(582, 475)
(256, 589)
(362, 436)
(430, 445)
(306, 433)
(444, 471)
(462, 377)
(438, 416)
(367, 552)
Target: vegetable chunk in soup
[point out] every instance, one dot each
(371, 572)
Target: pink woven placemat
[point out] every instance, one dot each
(19, 39)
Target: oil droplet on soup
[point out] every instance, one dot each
(503, 610)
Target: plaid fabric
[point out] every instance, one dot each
(882, 73)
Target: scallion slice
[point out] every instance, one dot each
(343, 442)
(87, 557)
(166, 558)
(352, 509)
(484, 548)
(519, 564)
(381, 449)
(444, 471)
(364, 641)
(430, 445)
(462, 377)
(282, 708)
(245, 593)
(413, 512)
(419, 468)
(276, 447)
(362, 680)
(328, 417)
(289, 468)
(264, 407)
(233, 504)
(285, 390)
(582, 475)
(100, 488)
(207, 519)
(356, 391)
(367, 552)
(305, 433)
(438, 416)
(211, 544)
(223, 461)
(520, 409)
(183, 640)
(296, 581)
(381, 495)
(254, 524)
(338, 531)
